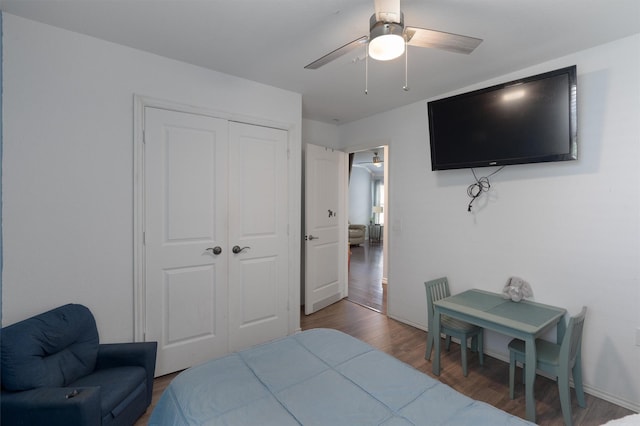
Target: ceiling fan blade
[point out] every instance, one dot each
(457, 43)
(337, 53)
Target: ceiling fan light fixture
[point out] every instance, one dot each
(376, 160)
(386, 47)
(386, 39)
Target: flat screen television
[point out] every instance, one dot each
(530, 120)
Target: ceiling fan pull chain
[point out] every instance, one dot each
(366, 68)
(406, 65)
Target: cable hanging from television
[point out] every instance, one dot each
(481, 185)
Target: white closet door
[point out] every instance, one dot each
(258, 222)
(186, 169)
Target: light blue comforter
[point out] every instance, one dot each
(317, 377)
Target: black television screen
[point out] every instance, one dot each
(529, 120)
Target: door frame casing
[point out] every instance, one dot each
(294, 208)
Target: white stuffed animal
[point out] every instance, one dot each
(516, 289)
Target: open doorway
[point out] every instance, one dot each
(368, 207)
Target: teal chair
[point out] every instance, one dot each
(560, 360)
(450, 327)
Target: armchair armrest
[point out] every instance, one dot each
(52, 406)
(141, 354)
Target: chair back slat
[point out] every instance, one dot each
(572, 343)
(436, 289)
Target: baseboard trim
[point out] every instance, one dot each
(587, 389)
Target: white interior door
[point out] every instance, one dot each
(258, 225)
(185, 224)
(325, 228)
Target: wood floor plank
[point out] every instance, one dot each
(365, 276)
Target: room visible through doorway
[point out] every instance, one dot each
(368, 209)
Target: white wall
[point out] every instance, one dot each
(319, 133)
(68, 163)
(360, 196)
(571, 229)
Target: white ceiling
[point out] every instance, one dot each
(270, 41)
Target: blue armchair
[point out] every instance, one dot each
(55, 372)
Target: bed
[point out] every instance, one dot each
(317, 377)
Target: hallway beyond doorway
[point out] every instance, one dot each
(365, 277)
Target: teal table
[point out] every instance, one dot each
(525, 320)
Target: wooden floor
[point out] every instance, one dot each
(365, 276)
(488, 383)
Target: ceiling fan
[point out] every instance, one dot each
(388, 37)
(376, 161)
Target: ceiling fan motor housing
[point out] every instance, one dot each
(379, 28)
(386, 39)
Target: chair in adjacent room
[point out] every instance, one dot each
(561, 360)
(357, 234)
(439, 289)
(55, 372)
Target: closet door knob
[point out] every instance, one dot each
(238, 249)
(215, 250)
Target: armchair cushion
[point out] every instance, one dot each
(52, 349)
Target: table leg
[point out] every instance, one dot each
(436, 341)
(530, 377)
